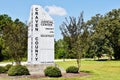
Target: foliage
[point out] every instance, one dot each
(2, 69)
(52, 71)
(105, 34)
(60, 50)
(99, 35)
(8, 66)
(15, 36)
(1, 55)
(18, 70)
(74, 33)
(4, 19)
(112, 30)
(72, 69)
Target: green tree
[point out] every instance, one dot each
(15, 36)
(112, 30)
(60, 50)
(74, 32)
(95, 38)
(109, 28)
(106, 33)
(4, 20)
(1, 47)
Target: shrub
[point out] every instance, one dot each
(52, 71)
(72, 69)
(2, 69)
(18, 70)
(7, 67)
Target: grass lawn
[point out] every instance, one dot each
(99, 70)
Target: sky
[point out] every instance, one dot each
(58, 9)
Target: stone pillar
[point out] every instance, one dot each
(40, 39)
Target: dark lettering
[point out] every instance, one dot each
(51, 32)
(36, 13)
(47, 35)
(36, 38)
(36, 50)
(36, 9)
(36, 25)
(36, 54)
(49, 28)
(36, 42)
(36, 21)
(36, 58)
(36, 46)
(36, 17)
(46, 23)
(36, 29)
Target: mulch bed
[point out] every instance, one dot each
(35, 76)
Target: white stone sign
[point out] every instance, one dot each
(40, 37)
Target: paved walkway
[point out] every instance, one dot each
(24, 63)
(5, 63)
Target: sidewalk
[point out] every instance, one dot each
(5, 63)
(24, 63)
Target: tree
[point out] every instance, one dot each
(4, 20)
(60, 49)
(74, 32)
(109, 25)
(95, 38)
(1, 47)
(112, 30)
(15, 36)
(106, 33)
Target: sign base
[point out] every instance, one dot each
(38, 68)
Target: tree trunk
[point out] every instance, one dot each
(18, 63)
(110, 57)
(78, 64)
(63, 59)
(94, 58)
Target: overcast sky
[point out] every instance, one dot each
(58, 9)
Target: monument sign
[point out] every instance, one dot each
(40, 37)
